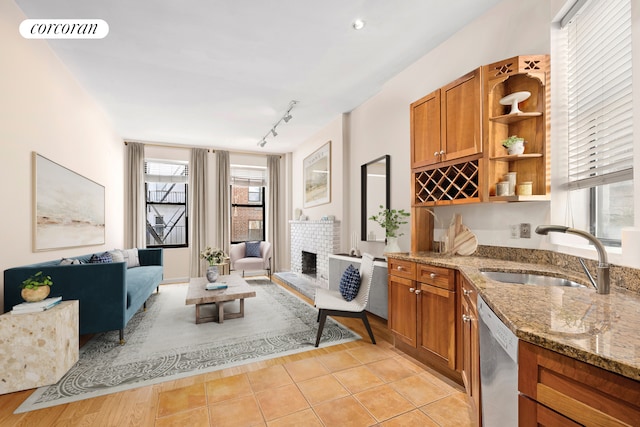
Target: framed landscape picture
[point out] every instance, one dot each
(317, 177)
(68, 209)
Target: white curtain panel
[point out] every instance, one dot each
(273, 209)
(135, 221)
(198, 196)
(223, 201)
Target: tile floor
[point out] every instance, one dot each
(364, 386)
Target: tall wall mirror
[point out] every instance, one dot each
(375, 181)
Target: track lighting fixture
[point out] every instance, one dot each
(286, 117)
(358, 24)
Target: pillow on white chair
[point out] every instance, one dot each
(350, 283)
(252, 250)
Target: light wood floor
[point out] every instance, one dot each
(354, 384)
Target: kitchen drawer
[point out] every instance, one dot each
(436, 276)
(401, 268)
(586, 394)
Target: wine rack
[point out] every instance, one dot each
(447, 184)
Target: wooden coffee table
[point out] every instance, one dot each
(237, 289)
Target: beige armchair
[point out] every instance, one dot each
(239, 261)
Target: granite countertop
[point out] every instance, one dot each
(602, 330)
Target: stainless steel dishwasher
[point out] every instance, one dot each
(498, 370)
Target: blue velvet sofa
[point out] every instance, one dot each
(109, 294)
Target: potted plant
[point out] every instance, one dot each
(215, 257)
(391, 220)
(36, 287)
(514, 144)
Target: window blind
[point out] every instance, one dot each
(248, 176)
(599, 94)
(163, 171)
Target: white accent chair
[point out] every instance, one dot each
(239, 262)
(331, 303)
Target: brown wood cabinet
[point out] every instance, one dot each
(457, 133)
(425, 130)
(404, 306)
(422, 313)
(461, 116)
(446, 124)
(521, 73)
(446, 127)
(402, 299)
(469, 344)
(555, 387)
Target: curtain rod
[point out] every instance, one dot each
(156, 144)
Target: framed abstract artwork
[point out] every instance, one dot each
(317, 177)
(68, 209)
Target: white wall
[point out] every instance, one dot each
(43, 109)
(339, 177)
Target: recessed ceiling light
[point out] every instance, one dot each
(358, 24)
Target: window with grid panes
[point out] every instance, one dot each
(247, 203)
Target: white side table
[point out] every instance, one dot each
(37, 349)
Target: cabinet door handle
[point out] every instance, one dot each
(432, 275)
(467, 292)
(400, 268)
(466, 318)
(435, 153)
(418, 291)
(442, 153)
(412, 289)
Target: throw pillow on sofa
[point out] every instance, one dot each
(350, 283)
(70, 261)
(116, 255)
(252, 250)
(131, 257)
(103, 258)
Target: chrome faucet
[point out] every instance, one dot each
(603, 281)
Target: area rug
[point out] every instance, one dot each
(165, 344)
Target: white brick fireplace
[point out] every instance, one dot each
(319, 237)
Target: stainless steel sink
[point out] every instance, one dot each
(530, 279)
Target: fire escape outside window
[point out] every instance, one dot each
(166, 204)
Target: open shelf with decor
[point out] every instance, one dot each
(516, 103)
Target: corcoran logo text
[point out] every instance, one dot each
(64, 29)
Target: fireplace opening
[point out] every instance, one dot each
(309, 263)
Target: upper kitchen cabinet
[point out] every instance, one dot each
(425, 130)
(446, 143)
(516, 102)
(461, 116)
(446, 124)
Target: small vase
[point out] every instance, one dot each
(392, 245)
(212, 273)
(34, 295)
(517, 148)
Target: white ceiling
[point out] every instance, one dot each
(220, 73)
